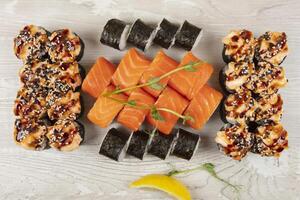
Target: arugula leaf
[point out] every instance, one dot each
(131, 103)
(154, 83)
(155, 114)
(190, 67)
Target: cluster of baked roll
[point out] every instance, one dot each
(48, 104)
(253, 108)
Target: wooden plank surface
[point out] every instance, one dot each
(83, 174)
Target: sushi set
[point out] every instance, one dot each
(48, 103)
(117, 33)
(140, 92)
(252, 109)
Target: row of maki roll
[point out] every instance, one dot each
(48, 102)
(35, 43)
(180, 143)
(237, 140)
(117, 33)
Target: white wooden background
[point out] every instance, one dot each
(83, 174)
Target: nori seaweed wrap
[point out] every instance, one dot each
(31, 44)
(141, 35)
(188, 36)
(270, 140)
(234, 140)
(165, 35)
(186, 144)
(115, 34)
(65, 46)
(114, 144)
(65, 135)
(162, 144)
(272, 47)
(138, 144)
(239, 46)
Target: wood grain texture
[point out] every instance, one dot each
(83, 174)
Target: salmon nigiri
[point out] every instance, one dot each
(98, 77)
(132, 117)
(130, 69)
(106, 109)
(203, 106)
(172, 100)
(159, 66)
(189, 83)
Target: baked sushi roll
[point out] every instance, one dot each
(66, 106)
(188, 36)
(235, 75)
(141, 35)
(67, 76)
(30, 103)
(65, 135)
(267, 79)
(165, 34)
(270, 140)
(234, 140)
(272, 47)
(114, 144)
(30, 133)
(186, 144)
(65, 46)
(269, 109)
(31, 44)
(239, 108)
(239, 45)
(138, 144)
(161, 144)
(114, 34)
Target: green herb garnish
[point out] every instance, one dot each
(155, 114)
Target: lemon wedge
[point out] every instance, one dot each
(164, 183)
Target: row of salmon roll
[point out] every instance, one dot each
(184, 92)
(251, 79)
(48, 103)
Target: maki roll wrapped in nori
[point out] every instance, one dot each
(269, 109)
(141, 35)
(115, 34)
(62, 106)
(186, 144)
(239, 108)
(114, 144)
(239, 45)
(188, 36)
(31, 44)
(65, 135)
(30, 133)
(65, 46)
(161, 144)
(31, 103)
(267, 79)
(270, 140)
(138, 144)
(234, 140)
(234, 76)
(165, 35)
(272, 47)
